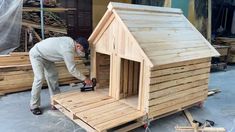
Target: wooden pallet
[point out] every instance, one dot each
(95, 111)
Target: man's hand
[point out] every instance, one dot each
(88, 81)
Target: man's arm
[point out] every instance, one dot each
(71, 66)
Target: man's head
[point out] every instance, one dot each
(82, 46)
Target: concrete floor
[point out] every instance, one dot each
(16, 117)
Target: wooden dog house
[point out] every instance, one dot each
(148, 61)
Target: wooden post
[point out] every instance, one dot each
(209, 21)
(26, 41)
(167, 3)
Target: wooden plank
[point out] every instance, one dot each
(92, 100)
(104, 28)
(91, 106)
(175, 89)
(34, 9)
(100, 25)
(204, 129)
(49, 28)
(168, 59)
(177, 107)
(26, 41)
(159, 52)
(125, 86)
(155, 80)
(135, 7)
(129, 12)
(119, 121)
(129, 127)
(170, 45)
(136, 77)
(209, 27)
(151, 37)
(99, 109)
(177, 95)
(179, 69)
(178, 82)
(189, 117)
(150, 17)
(134, 41)
(167, 3)
(184, 63)
(130, 78)
(78, 121)
(176, 101)
(119, 112)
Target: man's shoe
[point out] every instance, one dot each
(53, 108)
(36, 111)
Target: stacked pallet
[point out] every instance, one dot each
(228, 42)
(16, 73)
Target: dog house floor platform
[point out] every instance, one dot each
(95, 111)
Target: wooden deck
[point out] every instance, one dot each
(95, 111)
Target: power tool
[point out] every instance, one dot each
(86, 88)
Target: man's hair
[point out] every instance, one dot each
(85, 44)
(83, 41)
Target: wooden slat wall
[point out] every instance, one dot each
(175, 86)
(16, 73)
(130, 74)
(103, 70)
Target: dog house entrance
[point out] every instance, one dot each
(103, 71)
(129, 81)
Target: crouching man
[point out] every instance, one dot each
(43, 57)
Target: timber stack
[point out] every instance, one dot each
(54, 22)
(16, 73)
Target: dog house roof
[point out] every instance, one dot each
(164, 34)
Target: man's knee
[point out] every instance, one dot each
(38, 79)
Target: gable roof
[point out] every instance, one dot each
(164, 34)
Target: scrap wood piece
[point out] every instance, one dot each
(36, 9)
(189, 117)
(213, 91)
(195, 126)
(49, 28)
(205, 129)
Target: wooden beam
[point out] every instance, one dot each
(35, 9)
(26, 41)
(205, 129)
(167, 3)
(209, 21)
(49, 28)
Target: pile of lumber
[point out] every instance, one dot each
(54, 22)
(228, 42)
(16, 72)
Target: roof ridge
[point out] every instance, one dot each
(136, 7)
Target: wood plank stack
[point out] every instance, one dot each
(228, 42)
(16, 73)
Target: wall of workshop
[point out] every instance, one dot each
(99, 7)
